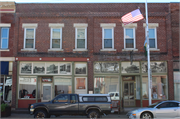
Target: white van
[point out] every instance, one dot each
(114, 95)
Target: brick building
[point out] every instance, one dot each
(175, 38)
(7, 24)
(84, 48)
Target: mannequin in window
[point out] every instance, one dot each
(160, 89)
(34, 93)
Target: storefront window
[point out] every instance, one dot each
(106, 85)
(106, 67)
(63, 85)
(27, 87)
(177, 86)
(138, 88)
(159, 87)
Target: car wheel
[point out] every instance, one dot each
(146, 115)
(93, 114)
(40, 114)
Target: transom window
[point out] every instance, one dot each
(4, 38)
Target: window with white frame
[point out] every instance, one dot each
(107, 36)
(80, 36)
(56, 36)
(4, 33)
(152, 35)
(29, 35)
(129, 36)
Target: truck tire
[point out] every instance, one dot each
(40, 114)
(93, 114)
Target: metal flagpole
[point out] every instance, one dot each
(148, 56)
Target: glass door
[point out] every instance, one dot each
(129, 97)
(46, 92)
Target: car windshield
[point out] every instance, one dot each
(154, 104)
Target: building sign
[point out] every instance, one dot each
(7, 7)
(46, 80)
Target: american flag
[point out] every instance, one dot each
(132, 17)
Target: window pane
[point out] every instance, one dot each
(29, 33)
(151, 33)
(4, 43)
(29, 43)
(55, 43)
(129, 33)
(5, 32)
(52, 68)
(65, 68)
(27, 87)
(56, 34)
(80, 33)
(107, 85)
(152, 43)
(159, 87)
(38, 68)
(107, 43)
(129, 43)
(63, 85)
(177, 85)
(80, 43)
(108, 33)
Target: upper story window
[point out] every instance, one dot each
(108, 36)
(56, 36)
(152, 35)
(4, 33)
(130, 37)
(80, 36)
(29, 35)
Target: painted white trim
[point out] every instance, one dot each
(4, 50)
(5, 24)
(132, 25)
(151, 25)
(27, 49)
(29, 25)
(107, 49)
(134, 36)
(129, 49)
(80, 25)
(56, 25)
(7, 58)
(55, 50)
(25, 38)
(108, 25)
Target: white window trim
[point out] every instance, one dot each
(5, 49)
(130, 26)
(56, 26)
(80, 26)
(107, 26)
(29, 26)
(153, 26)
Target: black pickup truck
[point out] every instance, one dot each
(91, 105)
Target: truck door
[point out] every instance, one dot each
(60, 104)
(73, 105)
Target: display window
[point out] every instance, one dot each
(63, 85)
(159, 87)
(106, 85)
(27, 87)
(106, 67)
(81, 68)
(128, 67)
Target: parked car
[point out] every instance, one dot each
(162, 109)
(114, 95)
(91, 105)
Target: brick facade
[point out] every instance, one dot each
(93, 14)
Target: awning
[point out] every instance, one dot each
(4, 68)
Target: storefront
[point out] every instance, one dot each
(42, 81)
(129, 82)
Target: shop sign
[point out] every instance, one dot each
(9, 82)
(46, 80)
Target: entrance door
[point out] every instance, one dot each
(128, 89)
(46, 92)
(80, 85)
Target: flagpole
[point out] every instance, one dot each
(148, 57)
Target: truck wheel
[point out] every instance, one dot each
(40, 114)
(93, 114)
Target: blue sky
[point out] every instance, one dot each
(92, 1)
